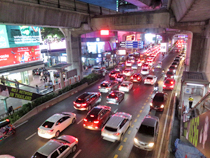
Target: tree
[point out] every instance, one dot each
(54, 33)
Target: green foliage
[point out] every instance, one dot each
(45, 32)
(29, 106)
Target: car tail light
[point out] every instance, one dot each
(117, 134)
(74, 102)
(50, 131)
(96, 122)
(138, 78)
(76, 139)
(112, 94)
(39, 129)
(85, 119)
(131, 77)
(99, 86)
(172, 82)
(116, 98)
(83, 104)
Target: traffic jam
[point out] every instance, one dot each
(136, 70)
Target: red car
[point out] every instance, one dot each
(97, 117)
(169, 84)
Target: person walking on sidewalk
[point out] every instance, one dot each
(7, 81)
(3, 80)
(190, 101)
(16, 84)
(37, 89)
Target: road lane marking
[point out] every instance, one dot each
(120, 148)
(135, 120)
(116, 156)
(30, 136)
(77, 153)
(132, 126)
(147, 100)
(80, 121)
(129, 132)
(161, 143)
(142, 107)
(125, 139)
(138, 115)
(21, 124)
(140, 111)
(115, 111)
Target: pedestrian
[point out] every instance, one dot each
(3, 80)
(45, 77)
(190, 101)
(7, 81)
(37, 89)
(16, 84)
(56, 80)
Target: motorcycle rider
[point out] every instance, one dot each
(156, 87)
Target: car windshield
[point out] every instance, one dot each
(158, 98)
(144, 69)
(96, 68)
(93, 115)
(112, 95)
(38, 155)
(146, 130)
(48, 124)
(104, 85)
(111, 129)
(80, 100)
(169, 73)
(149, 78)
(124, 85)
(171, 67)
(168, 81)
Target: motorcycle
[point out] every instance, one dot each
(156, 88)
(6, 129)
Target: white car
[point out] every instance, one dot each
(60, 147)
(128, 72)
(128, 63)
(116, 127)
(96, 69)
(151, 79)
(56, 124)
(126, 86)
(145, 71)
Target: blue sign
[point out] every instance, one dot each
(134, 44)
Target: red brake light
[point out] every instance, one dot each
(131, 77)
(96, 122)
(138, 78)
(112, 94)
(99, 86)
(83, 104)
(7, 120)
(85, 119)
(50, 131)
(117, 134)
(116, 98)
(172, 82)
(91, 115)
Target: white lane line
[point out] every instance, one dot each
(30, 136)
(21, 124)
(115, 111)
(80, 121)
(77, 153)
(161, 143)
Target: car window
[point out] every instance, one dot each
(48, 124)
(158, 98)
(38, 155)
(150, 78)
(104, 85)
(55, 154)
(146, 130)
(123, 123)
(63, 148)
(111, 129)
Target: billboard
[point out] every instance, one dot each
(11, 56)
(197, 132)
(163, 47)
(19, 36)
(17, 93)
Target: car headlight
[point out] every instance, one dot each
(162, 106)
(135, 140)
(151, 144)
(150, 104)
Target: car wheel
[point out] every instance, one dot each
(74, 149)
(57, 133)
(73, 121)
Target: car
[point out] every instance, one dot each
(169, 74)
(128, 72)
(150, 59)
(56, 124)
(147, 133)
(128, 63)
(159, 65)
(134, 66)
(107, 86)
(150, 63)
(176, 60)
(115, 97)
(145, 65)
(158, 101)
(120, 77)
(97, 117)
(145, 71)
(116, 127)
(172, 68)
(169, 84)
(126, 86)
(175, 64)
(87, 100)
(140, 62)
(60, 147)
(96, 69)
(151, 79)
(136, 78)
(113, 74)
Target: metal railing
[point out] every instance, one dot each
(69, 5)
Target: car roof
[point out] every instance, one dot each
(49, 147)
(126, 82)
(151, 76)
(150, 121)
(55, 117)
(159, 94)
(115, 121)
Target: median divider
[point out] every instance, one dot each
(50, 103)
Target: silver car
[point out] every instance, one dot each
(60, 147)
(147, 133)
(115, 97)
(107, 86)
(116, 127)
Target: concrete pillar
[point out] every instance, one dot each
(73, 50)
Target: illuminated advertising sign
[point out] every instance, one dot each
(3, 37)
(163, 47)
(17, 93)
(11, 56)
(197, 132)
